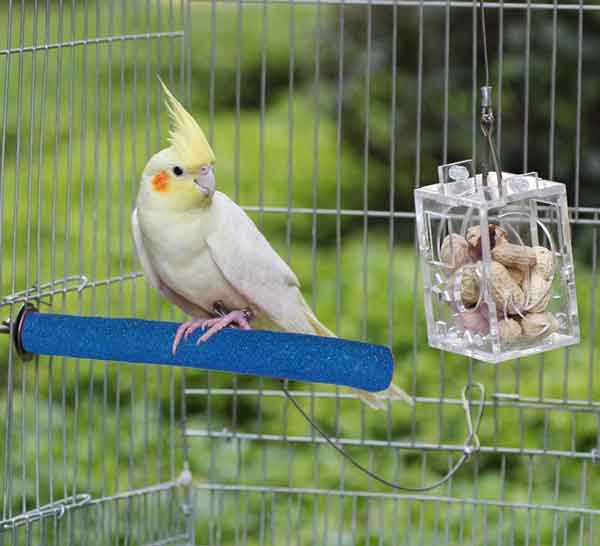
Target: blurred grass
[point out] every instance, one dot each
(76, 140)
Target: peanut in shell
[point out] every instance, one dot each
(509, 330)
(507, 294)
(454, 251)
(517, 274)
(538, 284)
(511, 255)
(544, 265)
(538, 292)
(469, 283)
(473, 236)
(536, 325)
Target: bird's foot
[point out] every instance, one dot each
(185, 330)
(241, 318)
(214, 325)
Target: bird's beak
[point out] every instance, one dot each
(206, 182)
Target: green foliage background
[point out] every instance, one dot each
(77, 133)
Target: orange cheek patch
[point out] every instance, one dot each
(161, 181)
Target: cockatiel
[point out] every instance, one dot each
(204, 254)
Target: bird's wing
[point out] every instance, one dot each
(257, 272)
(249, 263)
(149, 273)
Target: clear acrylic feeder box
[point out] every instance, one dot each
(497, 264)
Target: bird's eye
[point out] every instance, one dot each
(177, 171)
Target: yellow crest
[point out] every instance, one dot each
(188, 142)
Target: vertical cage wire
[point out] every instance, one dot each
(85, 445)
(323, 115)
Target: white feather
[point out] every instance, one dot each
(147, 268)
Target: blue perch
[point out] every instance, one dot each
(272, 354)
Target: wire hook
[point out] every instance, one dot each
(56, 509)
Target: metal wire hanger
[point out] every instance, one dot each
(487, 120)
(470, 445)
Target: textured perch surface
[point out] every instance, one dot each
(273, 354)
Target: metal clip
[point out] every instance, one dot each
(487, 122)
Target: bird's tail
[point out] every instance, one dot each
(375, 400)
(318, 328)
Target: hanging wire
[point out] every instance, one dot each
(487, 115)
(470, 446)
(484, 39)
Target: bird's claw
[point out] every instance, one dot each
(185, 330)
(215, 325)
(212, 325)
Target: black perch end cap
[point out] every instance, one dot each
(15, 329)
